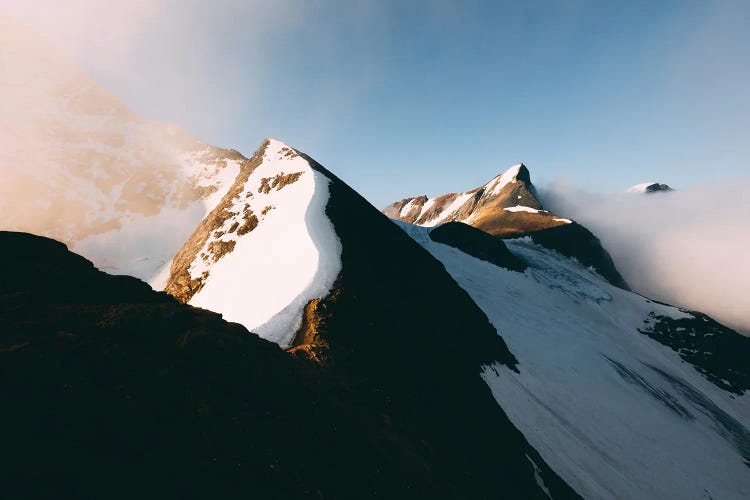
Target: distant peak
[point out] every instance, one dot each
(516, 173)
(523, 173)
(649, 187)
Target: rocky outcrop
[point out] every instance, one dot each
(717, 352)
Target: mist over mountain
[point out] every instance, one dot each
(687, 246)
(496, 342)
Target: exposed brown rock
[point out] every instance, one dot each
(505, 224)
(219, 249)
(250, 221)
(310, 341)
(181, 284)
(278, 181)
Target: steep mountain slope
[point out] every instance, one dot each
(508, 207)
(623, 396)
(415, 362)
(110, 387)
(269, 232)
(383, 397)
(80, 167)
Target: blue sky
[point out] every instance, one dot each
(436, 96)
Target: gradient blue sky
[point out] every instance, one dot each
(408, 98)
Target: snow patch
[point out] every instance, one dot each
(521, 208)
(640, 188)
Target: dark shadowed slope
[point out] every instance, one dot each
(410, 339)
(110, 387)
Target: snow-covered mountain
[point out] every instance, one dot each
(78, 166)
(508, 207)
(623, 396)
(505, 206)
(480, 346)
(269, 230)
(403, 378)
(649, 187)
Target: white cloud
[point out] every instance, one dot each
(689, 247)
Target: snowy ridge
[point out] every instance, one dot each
(615, 413)
(275, 251)
(458, 201)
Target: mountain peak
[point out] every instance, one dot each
(510, 194)
(517, 172)
(269, 235)
(649, 187)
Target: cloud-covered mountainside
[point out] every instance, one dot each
(687, 246)
(80, 167)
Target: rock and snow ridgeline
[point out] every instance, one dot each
(267, 248)
(507, 205)
(508, 189)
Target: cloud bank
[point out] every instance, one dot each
(689, 247)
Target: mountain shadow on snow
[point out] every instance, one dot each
(574, 240)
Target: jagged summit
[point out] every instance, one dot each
(323, 274)
(506, 205)
(649, 187)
